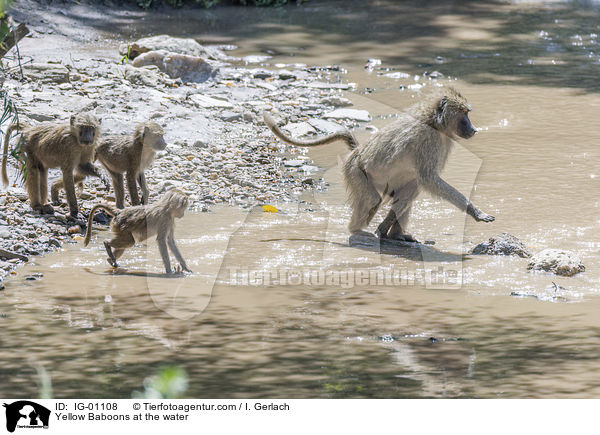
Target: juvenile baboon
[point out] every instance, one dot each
(131, 155)
(399, 160)
(139, 222)
(55, 145)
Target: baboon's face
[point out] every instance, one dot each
(153, 137)
(464, 128)
(85, 128)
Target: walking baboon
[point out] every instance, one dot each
(400, 159)
(55, 145)
(139, 222)
(131, 155)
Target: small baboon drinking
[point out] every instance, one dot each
(399, 160)
(55, 145)
(132, 155)
(139, 222)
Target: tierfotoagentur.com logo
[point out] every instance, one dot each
(25, 414)
(344, 278)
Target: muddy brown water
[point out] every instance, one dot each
(349, 322)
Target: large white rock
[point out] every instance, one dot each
(187, 68)
(353, 114)
(187, 46)
(46, 72)
(557, 261)
(207, 102)
(143, 76)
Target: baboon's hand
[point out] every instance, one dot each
(484, 217)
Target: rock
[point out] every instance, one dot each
(187, 46)
(34, 276)
(231, 116)
(327, 127)
(75, 229)
(353, 114)
(286, 75)
(249, 117)
(336, 101)
(13, 255)
(397, 75)
(299, 128)
(142, 76)
(504, 244)
(557, 261)
(323, 85)
(186, 67)
(207, 102)
(46, 72)
(372, 63)
(256, 58)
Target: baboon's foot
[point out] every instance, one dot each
(37, 208)
(111, 257)
(402, 238)
(362, 238)
(47, 209)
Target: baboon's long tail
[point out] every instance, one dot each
(345, 135)
(9, 131)
(88, 233)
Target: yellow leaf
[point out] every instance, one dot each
(270, 209)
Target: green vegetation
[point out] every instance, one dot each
(168, 383)
(209, 3)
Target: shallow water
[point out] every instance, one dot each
(351, 322)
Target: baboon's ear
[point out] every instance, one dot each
(99, 121)
(442, 104)
(146, 130)
(72, 119)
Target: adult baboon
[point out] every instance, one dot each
(55, 145)
(132, 155)
(137, 223)
(399, 160)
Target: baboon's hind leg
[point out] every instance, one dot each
(32, 183)
(394, 224)
(56, 186)
(119, 243)
(365, 199)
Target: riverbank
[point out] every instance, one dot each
(219, 151)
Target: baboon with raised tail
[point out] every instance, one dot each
(400, 160)
(139, 222)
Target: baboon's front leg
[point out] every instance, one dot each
(119, 189)
(440, 188)
(175, 251)
(164, 253)
(132, 186)
(69, 181)
(144, 187)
